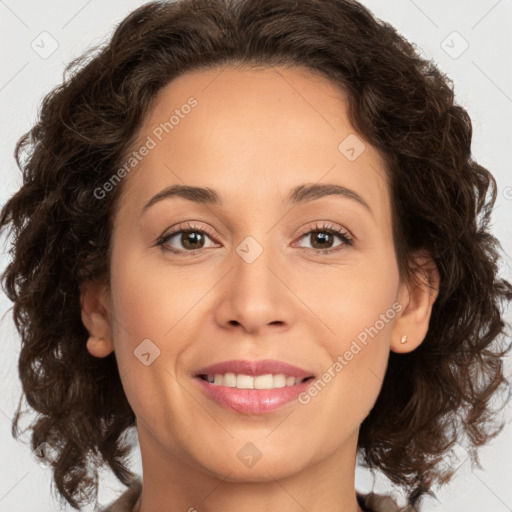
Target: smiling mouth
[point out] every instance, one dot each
(264, 382)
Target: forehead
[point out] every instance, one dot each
(253, 133)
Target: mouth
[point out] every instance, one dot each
(251, 401)
(253, 387)
(248, 368)
(242, 381)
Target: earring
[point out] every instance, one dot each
(404, 339)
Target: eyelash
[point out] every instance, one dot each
(346, 238)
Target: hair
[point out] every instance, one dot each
(437, 395)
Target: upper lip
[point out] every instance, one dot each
(255, 368)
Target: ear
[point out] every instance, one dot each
(416, 298)
(94, 305)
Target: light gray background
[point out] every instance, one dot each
(483, 84)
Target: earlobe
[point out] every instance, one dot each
(95, 317)
(99, 347)
(417, 298)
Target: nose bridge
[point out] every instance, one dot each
(258, 249)
(255, 295)
(252, 263)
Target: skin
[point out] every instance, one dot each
(254, 135)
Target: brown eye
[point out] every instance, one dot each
(182, 240)
(192, 239)
(322, 238)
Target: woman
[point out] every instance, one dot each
(254, 230)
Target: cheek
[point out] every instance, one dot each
(148, 322)
(360, 308)
(147, 301)
(356, 302)
(154, 315)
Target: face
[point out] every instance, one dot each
(274, 269)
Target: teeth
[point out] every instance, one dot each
(290, 381)
(241, 381)
(229, 380)
(245, 382)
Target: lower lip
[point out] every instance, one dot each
(253, 401)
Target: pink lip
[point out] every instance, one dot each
(255, 368)
(253, 401)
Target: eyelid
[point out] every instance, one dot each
(184, 226)
(344, 234)
(347, 238)
(325, 225)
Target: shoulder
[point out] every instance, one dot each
(127, 500)
(373, 502)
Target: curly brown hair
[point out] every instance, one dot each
(442, 199)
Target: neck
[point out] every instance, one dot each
(172, 481)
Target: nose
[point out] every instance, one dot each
(256, 294)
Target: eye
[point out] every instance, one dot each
(191, 239)
(322, 236)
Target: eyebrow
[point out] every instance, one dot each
(298, 195)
